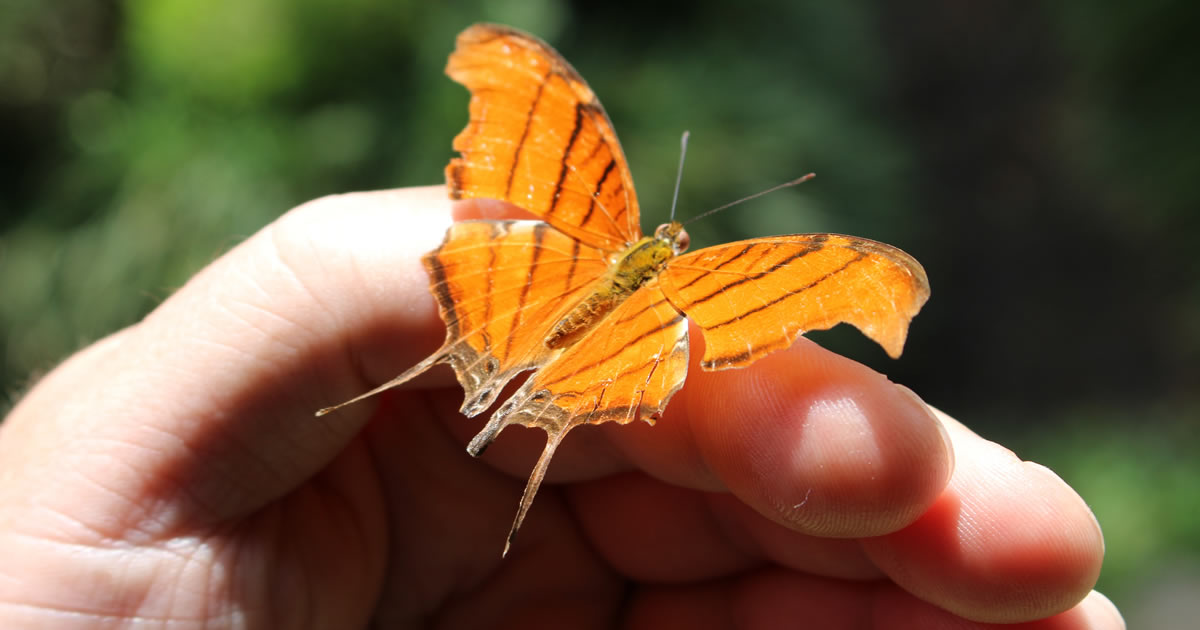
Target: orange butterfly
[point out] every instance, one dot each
(593, 308)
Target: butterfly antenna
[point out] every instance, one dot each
(798, 180)
(679, 174)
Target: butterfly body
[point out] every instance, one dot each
(597, 313)
(636, 266)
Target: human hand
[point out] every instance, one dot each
(173, 474)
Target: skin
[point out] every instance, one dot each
(173, 474)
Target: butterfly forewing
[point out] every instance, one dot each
(756, 296)
(538, 137)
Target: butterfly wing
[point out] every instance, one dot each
(625, 370)
(753, 297)
(500, 287)
(538, 137)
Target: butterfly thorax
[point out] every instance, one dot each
(634, 267)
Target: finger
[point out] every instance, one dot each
(1008, 540)
(214, 391)
(778, 599)
(812, 440)
(815, 441)
(651, 531)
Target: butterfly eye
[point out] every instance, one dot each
(674, 234)
(681, 242)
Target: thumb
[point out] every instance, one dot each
(208, 402)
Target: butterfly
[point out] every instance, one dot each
(595, 310)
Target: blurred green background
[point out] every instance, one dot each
(1038, 158)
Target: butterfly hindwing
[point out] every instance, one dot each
(500, 285)
(625, 370)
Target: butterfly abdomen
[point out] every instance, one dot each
(584, 316)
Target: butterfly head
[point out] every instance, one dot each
(673, 234)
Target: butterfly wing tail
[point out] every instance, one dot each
(527, 407)
(532, 409)
(406, 376)
(531, 487)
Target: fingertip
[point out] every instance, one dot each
(1100, 613)
(1008, 541)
